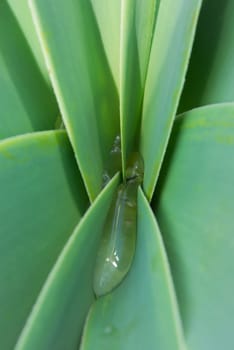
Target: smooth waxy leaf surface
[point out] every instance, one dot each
(26, 101)
(141, 313)
(42, 199)
(210, 77)
(171, 46)
(59, 314)
(82, 81)
(195, 213)
(137, 25)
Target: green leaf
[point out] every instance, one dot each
(137, 25)
(26, 101)
(142, 312)
(210, 77)
(82, 81)
(194, 206)
(42, 199)
(107, 14)
(20, 10)
(171, 46)
(59, 313)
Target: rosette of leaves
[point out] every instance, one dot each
(160, 74)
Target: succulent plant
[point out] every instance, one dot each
(75, 76)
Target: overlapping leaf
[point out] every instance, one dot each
(210, 77)
(137, 26)
(42, 199)
(58, 315)
(44, 196)
(171, 46)
(82, 81)
(26, 101)
(142, 311)
(22, 13)
(195, 212)
(107, 14)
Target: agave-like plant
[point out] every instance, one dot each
(74, 75)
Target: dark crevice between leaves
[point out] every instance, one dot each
(202, 61)
(78, 191)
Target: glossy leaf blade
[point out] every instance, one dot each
(210, 77)
(42, 199)
(171, 46)
(137, 25)
(194, 206)
(82, 81)
(141, 313)
(59, 313)
(26, 101)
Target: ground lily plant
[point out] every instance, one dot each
(85, 85)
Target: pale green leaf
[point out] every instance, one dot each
(59, 313)
(82, 81)
(26, 101)
(194, 206)
(141, 313)
(137, 25)
(42, 199)
(171, 46)
(210, 77)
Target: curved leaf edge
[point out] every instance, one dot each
(56, 268)
(169, 281)
(169, 278)
(57, 92)
(150, 187)
(206, 107)
(12, 140)
(122, 64)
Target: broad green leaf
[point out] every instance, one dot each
(194, 206)
(26, 102)
(210, 77)
(58, 316)
(141, 313)
(171, 46)
(107, 14)
(42, 199)
(137, 25)
(82, 81)
(23, 16)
